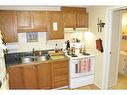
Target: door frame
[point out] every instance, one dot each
(107, 48)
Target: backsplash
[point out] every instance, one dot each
(23, 46)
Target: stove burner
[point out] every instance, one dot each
(85, 54)
(74, 55)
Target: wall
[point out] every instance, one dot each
(94, 14)
(43, 44)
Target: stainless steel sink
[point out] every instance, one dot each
(26, 59)
(40, 58)
(29, 59)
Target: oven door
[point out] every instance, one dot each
(74, 68)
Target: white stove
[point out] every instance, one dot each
(78, 78)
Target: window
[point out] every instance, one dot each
(32, 37)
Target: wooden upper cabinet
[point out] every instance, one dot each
(8, 26)
(31, 21)
(75, 17)
(69, 19)
(82, 20)
(39, 20)
(23, 20)
(44, 76)
(55, 25)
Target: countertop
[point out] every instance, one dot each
(81, 56)
(39, 62)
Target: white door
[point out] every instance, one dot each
(115, 48)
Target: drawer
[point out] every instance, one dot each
(60, 64)
(61, 71)
(61, 78)
(61, 83)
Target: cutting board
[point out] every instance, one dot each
(51, 53)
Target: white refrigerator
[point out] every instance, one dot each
(3, 75)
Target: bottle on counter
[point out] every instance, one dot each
(39, 52)
(56, 48)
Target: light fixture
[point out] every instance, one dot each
(100, 25)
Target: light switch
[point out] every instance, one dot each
(55, 26)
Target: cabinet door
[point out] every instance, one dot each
(15, 78)
(69, 19)
(55, 25)
(82, 20)
(60, 74)
(29, 77)
(8, 26)
(44, 76)
(23, 20)
(39, 21)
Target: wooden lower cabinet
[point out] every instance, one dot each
(29, 77)
(39, 76)
(23, 77)
(15, 78)
(60, 74)
(44, 76)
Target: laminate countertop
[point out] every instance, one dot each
(39, 62)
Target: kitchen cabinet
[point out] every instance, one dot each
(55, 25)
(60, 74)
(31, 21)
(16, 78)
(39, 21)
(23, 77)
(69, 19)
(39, 76)
(82, 20)
(75, 17)
(29, 76)
(44, 76)
(23, 20)
(8, 26)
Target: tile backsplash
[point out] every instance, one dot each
(43, 44)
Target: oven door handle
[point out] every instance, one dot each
(0, 83)
(76, 68)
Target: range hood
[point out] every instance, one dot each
(75, 29)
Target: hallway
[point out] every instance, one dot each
(122, 83)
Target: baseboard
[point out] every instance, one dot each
(97, 85)
(60, 88)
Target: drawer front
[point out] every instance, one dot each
(61, 71)
(60, 78)
(61, 64)
(60, 83)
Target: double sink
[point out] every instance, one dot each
(29, 59)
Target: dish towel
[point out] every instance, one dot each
(99, 45)
(84, 65)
